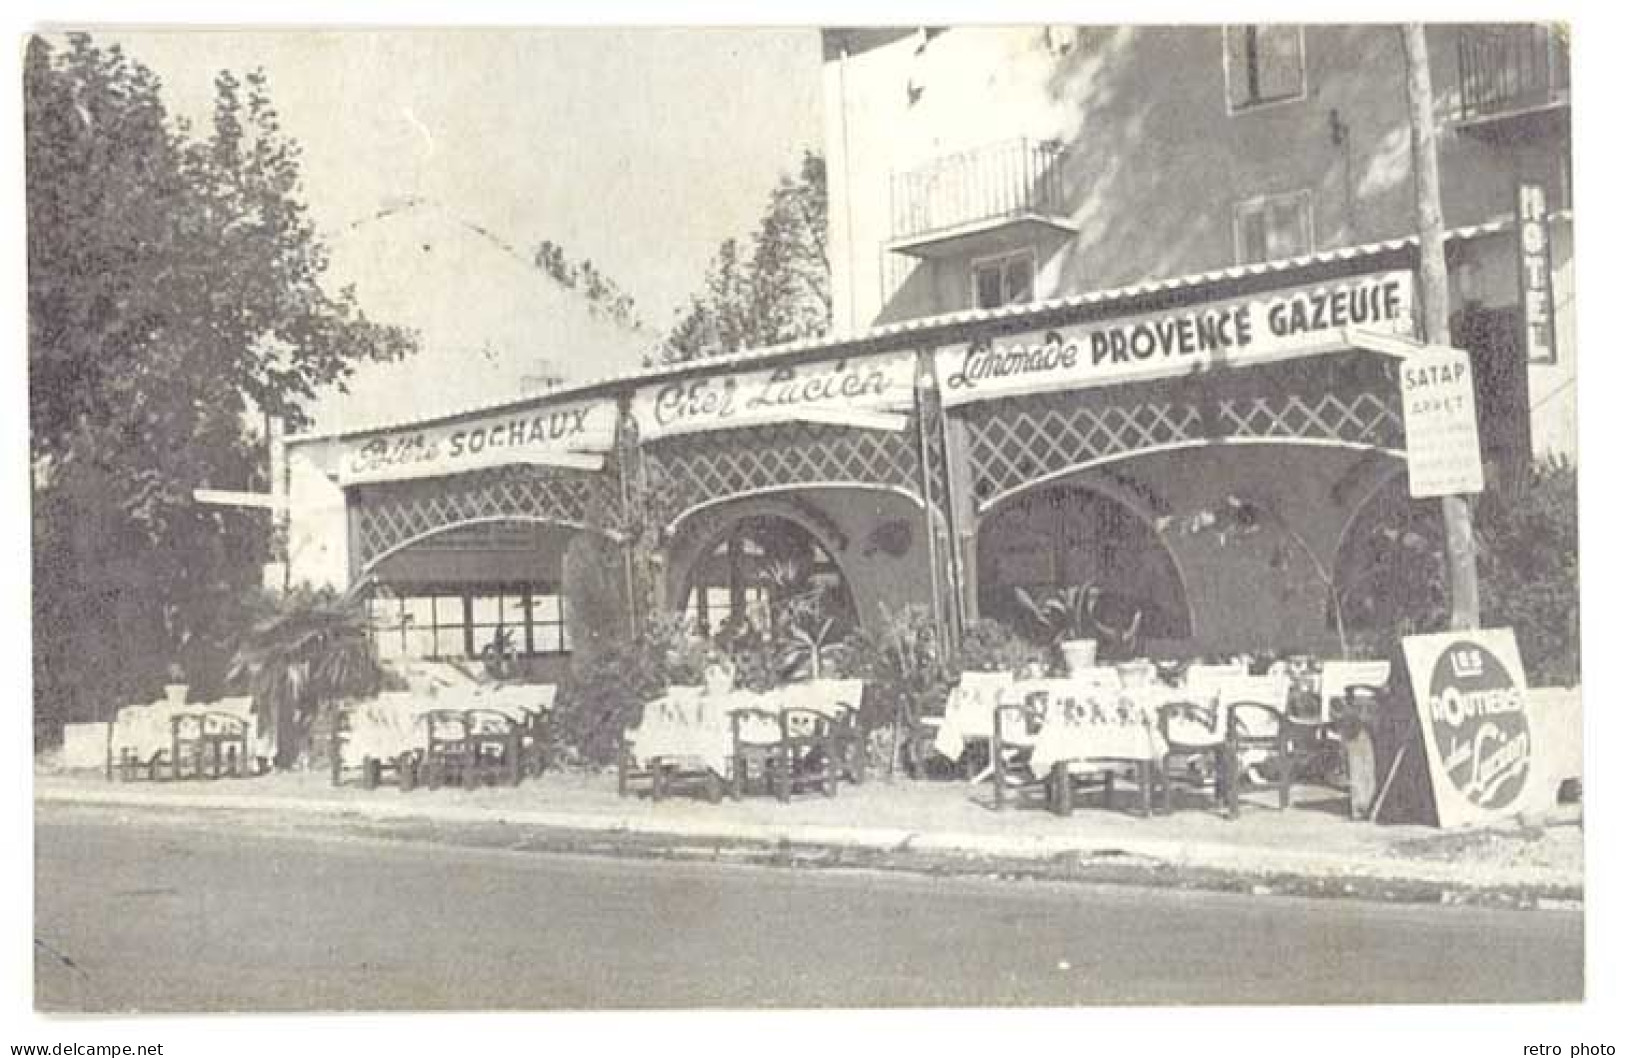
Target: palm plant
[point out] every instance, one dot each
(313, 649)
(1067, 614)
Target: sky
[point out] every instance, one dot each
(435, 160)
(640, 149)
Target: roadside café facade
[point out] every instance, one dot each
(946, 461)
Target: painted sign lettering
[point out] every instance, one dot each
(531, 435)
(876, 383)
(1441, 424)
(1469, 688)
(1294, 322)
(1535, 275)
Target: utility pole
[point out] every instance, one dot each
(1435, 321)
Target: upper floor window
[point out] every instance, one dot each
(1263, 64)
(1004, 280)
(1274, 226)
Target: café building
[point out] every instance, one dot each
(943, 461)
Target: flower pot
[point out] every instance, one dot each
(1079, 654)
(175, 693)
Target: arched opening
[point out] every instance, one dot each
(754, 567)
(1063, 536)
(1391, 578)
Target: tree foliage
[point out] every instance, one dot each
(776, 288)
(603, 295)
(307, 649)
(175, 297)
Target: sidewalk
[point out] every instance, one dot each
(948, 826)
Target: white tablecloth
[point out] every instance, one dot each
(146, 730)
(968, 713)
(697, 729)
(385, 727)
(1101, 724)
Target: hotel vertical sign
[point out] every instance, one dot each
(1535, 275)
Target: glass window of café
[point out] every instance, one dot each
(441, 623)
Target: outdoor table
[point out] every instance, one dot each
(968, 717)
(1118, 725)
(696, 729)
(141, 734)
(968, 714)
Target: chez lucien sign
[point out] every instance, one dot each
(1472, 698)
(1298, 321)
(565, 434)
(873, 384)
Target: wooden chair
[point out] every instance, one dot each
(851, 741)
(213, 743)
(1197, 756)
(448, 753)
(758, 738)
(1016, 725)
(811, 754)
(494, 748)
(1255, 727)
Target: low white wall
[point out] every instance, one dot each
(1557, 741)
(84, 745)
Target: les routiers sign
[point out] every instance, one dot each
(1471, 693)
(565, 434)
(747, 398)
(1298, 321)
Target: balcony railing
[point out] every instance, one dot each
(1506, 69)
(1014, 179)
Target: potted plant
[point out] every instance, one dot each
(1068, 622)
(498, 655)
(175, 685)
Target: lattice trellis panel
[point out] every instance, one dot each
(391, 514)
(1363, 419)
(1014, 442)
(704, 468)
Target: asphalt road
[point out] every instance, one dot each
(148, 912)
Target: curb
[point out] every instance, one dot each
(1154, 861)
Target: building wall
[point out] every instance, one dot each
(1261, 590)
(1554, 388)
(1155, 162)
(318, 521)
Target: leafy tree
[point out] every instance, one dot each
(1529, 554)
(175, 300)
(604, 296)
(777, 289)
